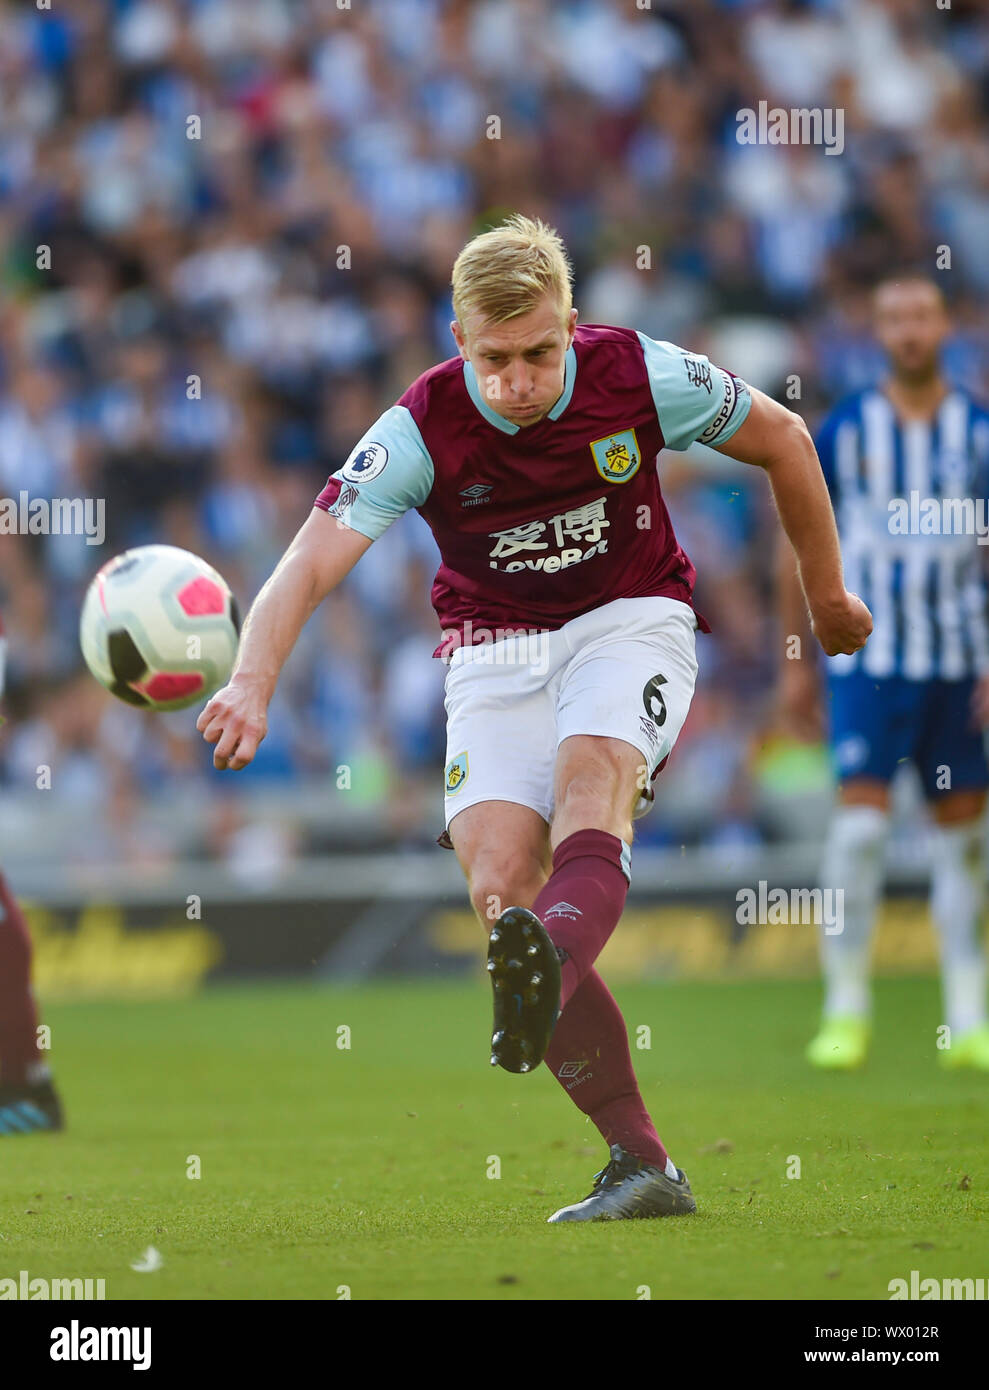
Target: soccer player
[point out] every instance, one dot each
(565, 604)
(28, 1100)
(919, 692)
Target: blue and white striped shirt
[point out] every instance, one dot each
(910, 501)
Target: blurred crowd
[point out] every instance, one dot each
(226, 234)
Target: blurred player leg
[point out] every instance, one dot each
(853, 862)
(953, 745)
(27, 1099)
(958, 901)
(20, 1058)
(875, 725)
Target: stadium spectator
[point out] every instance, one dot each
(225, 236)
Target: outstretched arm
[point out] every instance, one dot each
(777, 440)
(323, 552)
(799, 706)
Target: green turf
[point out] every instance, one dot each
(367, 1168)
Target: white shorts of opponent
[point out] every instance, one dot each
(625, 670)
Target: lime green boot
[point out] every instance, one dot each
(841, 1045)
(969, 1049)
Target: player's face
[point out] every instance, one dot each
(520, 364)
(911, 324)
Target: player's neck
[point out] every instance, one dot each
(916, 400)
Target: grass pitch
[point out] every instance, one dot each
(327, 1169)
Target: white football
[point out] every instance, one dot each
(159, 627)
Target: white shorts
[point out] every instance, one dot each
(625, 670)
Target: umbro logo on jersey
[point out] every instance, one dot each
(563, 910)
(571, 1069)
(346, 498)
(476, 495)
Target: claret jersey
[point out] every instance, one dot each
(539, 525)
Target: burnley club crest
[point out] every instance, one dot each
(617, 457)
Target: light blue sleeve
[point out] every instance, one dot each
(694, 400)
(389, 472)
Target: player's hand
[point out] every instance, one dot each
(236, 720)
(798, 702)
(841, 626)
(980, 702)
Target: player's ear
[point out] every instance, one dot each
(458, 338)
(571, 325)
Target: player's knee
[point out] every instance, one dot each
(589, 797)
(497, 884)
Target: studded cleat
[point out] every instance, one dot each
(525, 978)
(628, 1189)
(25, 1109)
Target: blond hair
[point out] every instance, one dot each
(505, 272)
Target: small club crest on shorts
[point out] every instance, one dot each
(457, 770)
(617, 456)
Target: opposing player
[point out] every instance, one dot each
(565, 604)
(28, 1100)
(919, 692)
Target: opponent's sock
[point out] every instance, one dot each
(853, 862)
(20, 1058)
(589, 1056)
(958, 900)
(582, 900)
